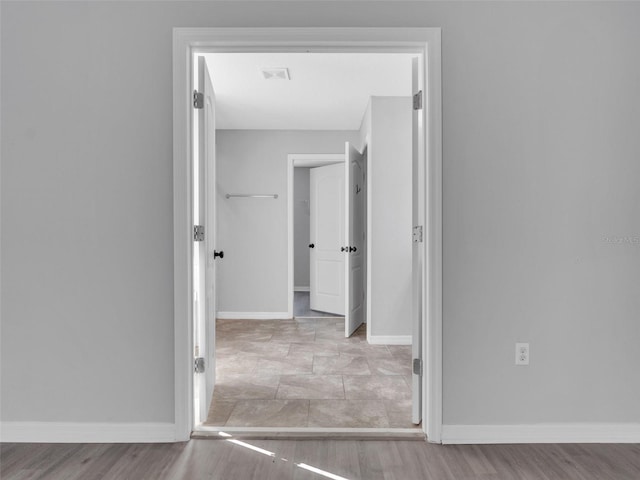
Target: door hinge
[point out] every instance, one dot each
(417, 101)
(417, 234)
(198, 99)
(198, 233)
(417, 366)
(198, 365)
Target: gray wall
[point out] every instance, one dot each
(541, 150)
(253, 232)
(387, 124)
(301, 225)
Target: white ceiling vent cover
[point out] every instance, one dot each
(275, 73)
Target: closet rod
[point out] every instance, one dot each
(252, 195)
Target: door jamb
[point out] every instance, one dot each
(300, 160)
(424, 41)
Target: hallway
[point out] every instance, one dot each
(305, 373)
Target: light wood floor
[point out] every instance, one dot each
(353, 460)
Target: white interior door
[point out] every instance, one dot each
(417, 257)
(355, 239)
(204, 260)
(327, 236)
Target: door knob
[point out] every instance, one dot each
(312, 245)
(352, 249)
(218, 254)
(344, 249)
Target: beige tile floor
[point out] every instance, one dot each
(305, 373)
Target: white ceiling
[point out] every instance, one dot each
(327, 91)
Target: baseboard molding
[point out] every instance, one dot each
(542, 433)
(253, 315)
(72, 432)
(301, 289)
(390, 339)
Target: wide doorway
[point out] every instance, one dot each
(221, 327)
(316, 367)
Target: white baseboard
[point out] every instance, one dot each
(390, 339)
(542, 433)
(72, 432)
(253, 316)
(301, 289)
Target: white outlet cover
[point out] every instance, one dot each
(522, 354)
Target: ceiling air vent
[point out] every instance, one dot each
(275, 73)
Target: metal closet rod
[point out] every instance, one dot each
(252, 195)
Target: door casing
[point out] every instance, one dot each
(425, 42)
(294, 160)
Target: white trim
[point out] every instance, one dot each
(301, 289)
(300, 160)
(205, 429)
(368, 260)
(542, 433)
(290, 255)
(74, 432)
(182, 234)
(186, 41)
(253, 316)
(432, 287)
(389, 339)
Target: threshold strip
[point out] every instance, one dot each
(307, 433)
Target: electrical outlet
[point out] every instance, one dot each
(522, 354)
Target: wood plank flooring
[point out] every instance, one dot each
(318, 460)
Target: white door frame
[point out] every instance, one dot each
(422, 41)
(300, 160)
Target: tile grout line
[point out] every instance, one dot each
(235, 403)
(278, 387)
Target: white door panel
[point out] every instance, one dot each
(328, 272)
(355, 228)
(204, 264)
(417, 216)
(327, 211)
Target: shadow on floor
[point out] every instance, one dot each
(302, 308)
